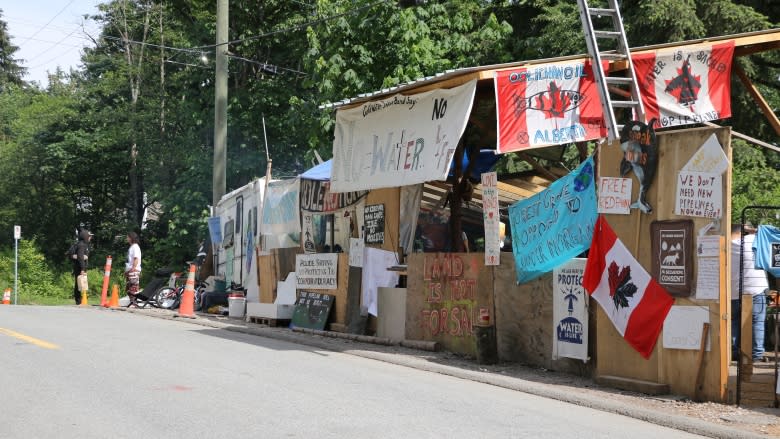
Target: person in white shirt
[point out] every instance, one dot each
(754, 282)
(133, 268)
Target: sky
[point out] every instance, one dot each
(49, 33)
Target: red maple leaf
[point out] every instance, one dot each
(556, 104)
(616, 279)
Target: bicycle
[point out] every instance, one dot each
(169, 296)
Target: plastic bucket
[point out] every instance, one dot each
(236, 305)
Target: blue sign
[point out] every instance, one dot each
(555, 225)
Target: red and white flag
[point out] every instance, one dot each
(686, 86)
(547, 104)
(635, 303)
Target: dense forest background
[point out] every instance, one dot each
(131, 131)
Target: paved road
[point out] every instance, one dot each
(71, 372)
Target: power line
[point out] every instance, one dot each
(48, 23)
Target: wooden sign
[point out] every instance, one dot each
(312, 310)
(374, 221)
(672, 255)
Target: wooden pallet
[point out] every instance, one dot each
(268, 321)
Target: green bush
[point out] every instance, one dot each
(42, 282)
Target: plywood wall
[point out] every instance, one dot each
(272, 268)
(338, 315)
(524, 321)
(670, 366)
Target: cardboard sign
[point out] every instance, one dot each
(615, 195)
(317, 271)
(709, 158)
(374, 221)
(699, 194)
(683, 327)
(672, 254)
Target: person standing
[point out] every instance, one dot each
(133, 267)
(80, 259)
(754, 283)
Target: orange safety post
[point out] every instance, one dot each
(106, 275)
(7, 296)
(114, 303)
(187, 305)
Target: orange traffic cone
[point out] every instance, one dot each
(106, 275)
(84, 298)
(114, 302)
(7, 296)
(187, 305)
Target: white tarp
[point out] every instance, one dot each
(401, 140)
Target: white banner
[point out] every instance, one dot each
(280, 208)
(400, 140)
(570, 311)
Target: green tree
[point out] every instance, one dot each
(11, 72)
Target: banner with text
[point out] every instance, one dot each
(686, 86)
(554, 225)
(316, 197)
(549, 104)
(400, 140)
(570, 311)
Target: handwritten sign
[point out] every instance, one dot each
(683, 327)
(401, 140)
(709, 158)
(374, 222)
(312, 310)
(317, 271)
(615, 195)
(699, 194)
(554, 225)
(491, 218)
(708, 279)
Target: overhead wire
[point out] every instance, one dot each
(48, 23)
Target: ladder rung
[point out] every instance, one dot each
(602, 11)
(621, 80)
(625, 104)
(606, 34)
(613, 56)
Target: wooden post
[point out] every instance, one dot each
(700, 362)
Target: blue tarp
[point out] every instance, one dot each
(487, 159)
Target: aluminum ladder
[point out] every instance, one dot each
(625, 87)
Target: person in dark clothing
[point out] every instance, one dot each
(80, 260)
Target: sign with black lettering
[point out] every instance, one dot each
(318, 271)
(672, 254)
(316, 197)
(312, 310)
(374, 221)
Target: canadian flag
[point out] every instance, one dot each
(547, 104)
(686, 86)
(635, 303)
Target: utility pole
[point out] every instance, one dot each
(219, 181)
